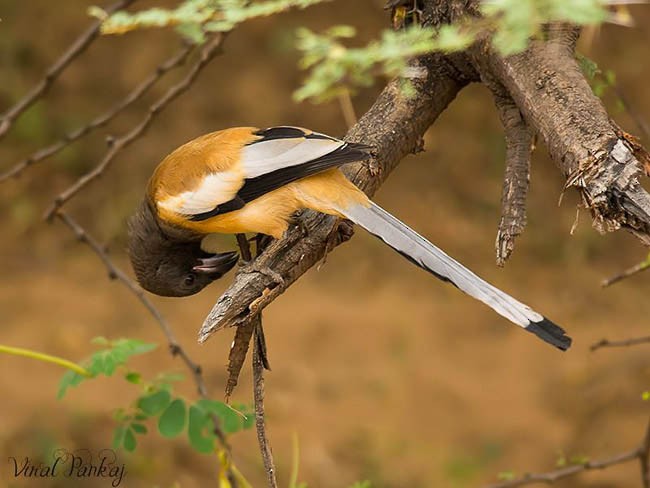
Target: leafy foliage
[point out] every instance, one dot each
(335, 67)
(193, 18)
(599, 80)
(105, 361)
(173, 415)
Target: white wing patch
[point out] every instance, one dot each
(265, 157)
(215, 189)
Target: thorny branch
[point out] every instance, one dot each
(637, 268)
(622, 343)
(115, 273)
(176, 350)
(210, 49)
(76, 48)
(640, 454)
(258, 391)
(138, 92)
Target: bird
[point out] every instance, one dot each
(252, 180)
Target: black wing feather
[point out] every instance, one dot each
(256, 187)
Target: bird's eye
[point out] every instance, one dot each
(189, 280)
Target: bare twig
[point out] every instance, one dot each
(623, 343)
(114, 273)
(208, 52)
(75, 49)
(644, 458)
(637, 268)
(640, 453)
(553, 476)
(258, 390)
(175, 61)
(519, 144)
(347, 108)
(176, 350)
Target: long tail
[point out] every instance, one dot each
(421, 252)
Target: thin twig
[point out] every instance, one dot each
(208, 52)
(637, 268)
(76, 48)
(641, 453)
(115, 273)
(644, 458)
(624, 343)
(258, 390)
(138, 92)
(347, 108)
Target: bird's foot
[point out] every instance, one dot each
(341, 232)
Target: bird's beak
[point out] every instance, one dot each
(218, 264)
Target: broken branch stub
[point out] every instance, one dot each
(556, 101)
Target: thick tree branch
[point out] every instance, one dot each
(551, 92)
(394, 125)
(76, 48)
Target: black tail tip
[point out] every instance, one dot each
(551, 333)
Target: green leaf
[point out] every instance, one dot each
(172, 420)
(231, 421)
(70, 378)
(118, 436)
(645, 395)
(139, 428)
(129, 440)
(506, 476)
(199, 430)
(154, 403)
(133, 377)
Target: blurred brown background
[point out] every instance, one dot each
(382, 372)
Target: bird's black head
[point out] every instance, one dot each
(169, 267)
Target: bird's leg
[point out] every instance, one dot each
(341, 231)
(250, 265)
(262, 241)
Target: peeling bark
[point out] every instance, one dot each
(519, 146)
(555, 99)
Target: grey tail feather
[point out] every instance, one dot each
(424, 254)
